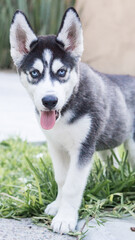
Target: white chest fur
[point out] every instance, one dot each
(69, 135)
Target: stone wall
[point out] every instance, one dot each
(109, 34)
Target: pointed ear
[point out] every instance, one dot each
(21, 37)
(70, 33)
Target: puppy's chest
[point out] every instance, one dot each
(70, 135)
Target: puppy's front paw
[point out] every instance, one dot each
(52, 208)
(64, 223)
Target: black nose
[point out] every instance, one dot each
(49, 101)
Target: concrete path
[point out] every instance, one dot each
(17, 118)
(112, 229)
(25, 230)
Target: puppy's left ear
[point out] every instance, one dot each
(70, 33)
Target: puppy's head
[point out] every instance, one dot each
(48, 65)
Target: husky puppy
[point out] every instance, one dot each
(79, 109)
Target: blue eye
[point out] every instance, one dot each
(61, 72)
(35, 73)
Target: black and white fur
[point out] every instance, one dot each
(95, 111)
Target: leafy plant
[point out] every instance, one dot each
(44, 16)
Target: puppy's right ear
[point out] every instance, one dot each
(21, 37)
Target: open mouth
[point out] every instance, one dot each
(48, 119)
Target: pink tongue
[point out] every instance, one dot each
(47, 119)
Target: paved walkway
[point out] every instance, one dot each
(17, 118)
(11, 229)
(112, 229)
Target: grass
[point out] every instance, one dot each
(27, 184)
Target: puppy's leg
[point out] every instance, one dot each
(130, 147)
(60, 163)
(72, 191)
